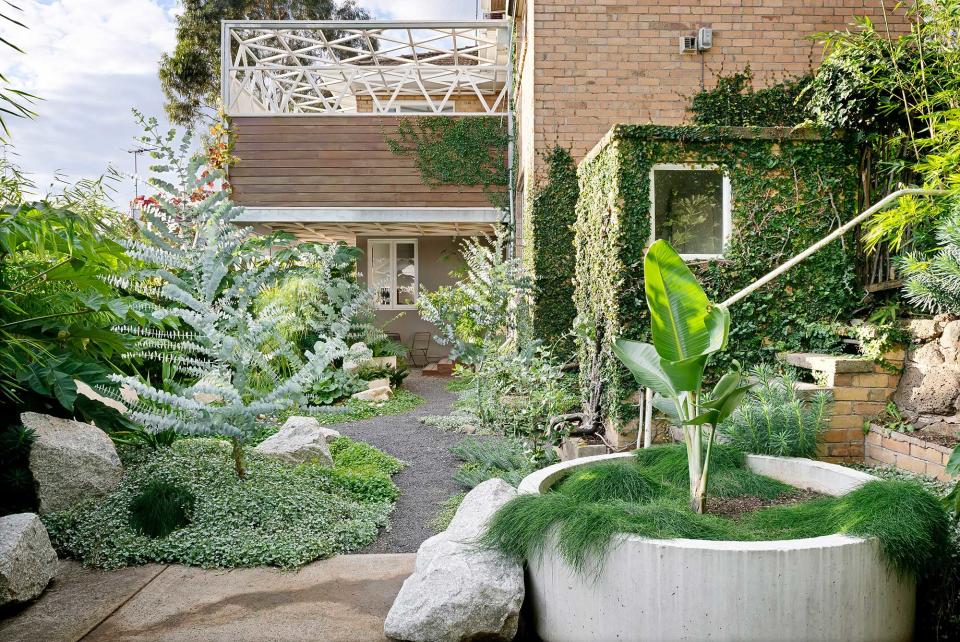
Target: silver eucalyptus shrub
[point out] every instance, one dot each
(224, 358)
(516, 385)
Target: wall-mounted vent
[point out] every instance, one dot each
(688, 44)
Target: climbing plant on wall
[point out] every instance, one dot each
(457, 151)
(548, 249)
(788, 190)
(734, 102)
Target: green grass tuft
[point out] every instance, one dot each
(648, 497)
(161, 508)
(613, 482)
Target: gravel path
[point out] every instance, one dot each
(428, 479)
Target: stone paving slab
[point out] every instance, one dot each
(342, 599)
(76, 601)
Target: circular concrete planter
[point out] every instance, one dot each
(823, 588)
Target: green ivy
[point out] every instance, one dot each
(457, 151)
(548, 249)
(733, 102)
(789, 189)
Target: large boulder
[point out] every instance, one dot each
(70, 461)
(458, 590)
(299, 440)
(382, 393)
(27, 560)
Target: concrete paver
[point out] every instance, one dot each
(76, 601)
(342, 599)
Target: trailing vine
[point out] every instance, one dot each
(788, 190)
(548, 249)
(734, 102)
(457, 151)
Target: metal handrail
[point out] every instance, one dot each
(840, 231)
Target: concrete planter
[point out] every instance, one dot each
(824, 588)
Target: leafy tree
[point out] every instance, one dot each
(190, 77)
(56, 309)
(200, 274)
(13, 102)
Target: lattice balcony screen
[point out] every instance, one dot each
(300, 67)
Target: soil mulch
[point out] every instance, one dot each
(949, 441)
(734, 507)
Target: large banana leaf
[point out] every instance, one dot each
(685, 324)
(651, 371)
(644, 363)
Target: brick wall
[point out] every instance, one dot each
(601, 62)
(885, 447)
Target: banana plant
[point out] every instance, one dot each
(687, 328)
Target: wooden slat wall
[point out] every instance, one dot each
(343, 161)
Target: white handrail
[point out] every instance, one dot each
(840, 231)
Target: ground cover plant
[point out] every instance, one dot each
(647, 496)
(278, 515)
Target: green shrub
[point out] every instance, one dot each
(278, 515)
(333, 386)
(492, 457)
(161, 508)
(396, 375)
(17, 493)
(734, 102)
(776, 420)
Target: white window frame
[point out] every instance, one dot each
(392, 243)
(402, 107)
(727, 206)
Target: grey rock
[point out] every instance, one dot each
(27, 560)
(458, 590)
(299, 440)
(933, 392)
(950, 338)
(926, 355)
(70, 461)
(924, 329)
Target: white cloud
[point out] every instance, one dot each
(90, 61)
(422, 9)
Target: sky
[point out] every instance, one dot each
(93, 61)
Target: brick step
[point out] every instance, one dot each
(438, 369)
(827, 363)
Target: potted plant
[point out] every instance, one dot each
(653, 566)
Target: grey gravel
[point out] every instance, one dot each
(428, 479)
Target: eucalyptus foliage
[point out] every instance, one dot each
(199, 274)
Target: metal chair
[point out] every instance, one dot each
(420, 348)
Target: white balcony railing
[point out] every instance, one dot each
(364, 67)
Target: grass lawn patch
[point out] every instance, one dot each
(648, 496)
(278, 515)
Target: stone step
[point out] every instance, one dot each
(827, 363)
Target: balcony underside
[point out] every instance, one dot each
(328, 224)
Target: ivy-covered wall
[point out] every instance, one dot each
(548, 249)
(789, 188)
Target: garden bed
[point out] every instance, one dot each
(609, 558)
(278, 514)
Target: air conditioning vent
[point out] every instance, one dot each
(688, 44)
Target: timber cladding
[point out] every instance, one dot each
(335, 161)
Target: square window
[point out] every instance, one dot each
(690, 209)
(393, 273)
